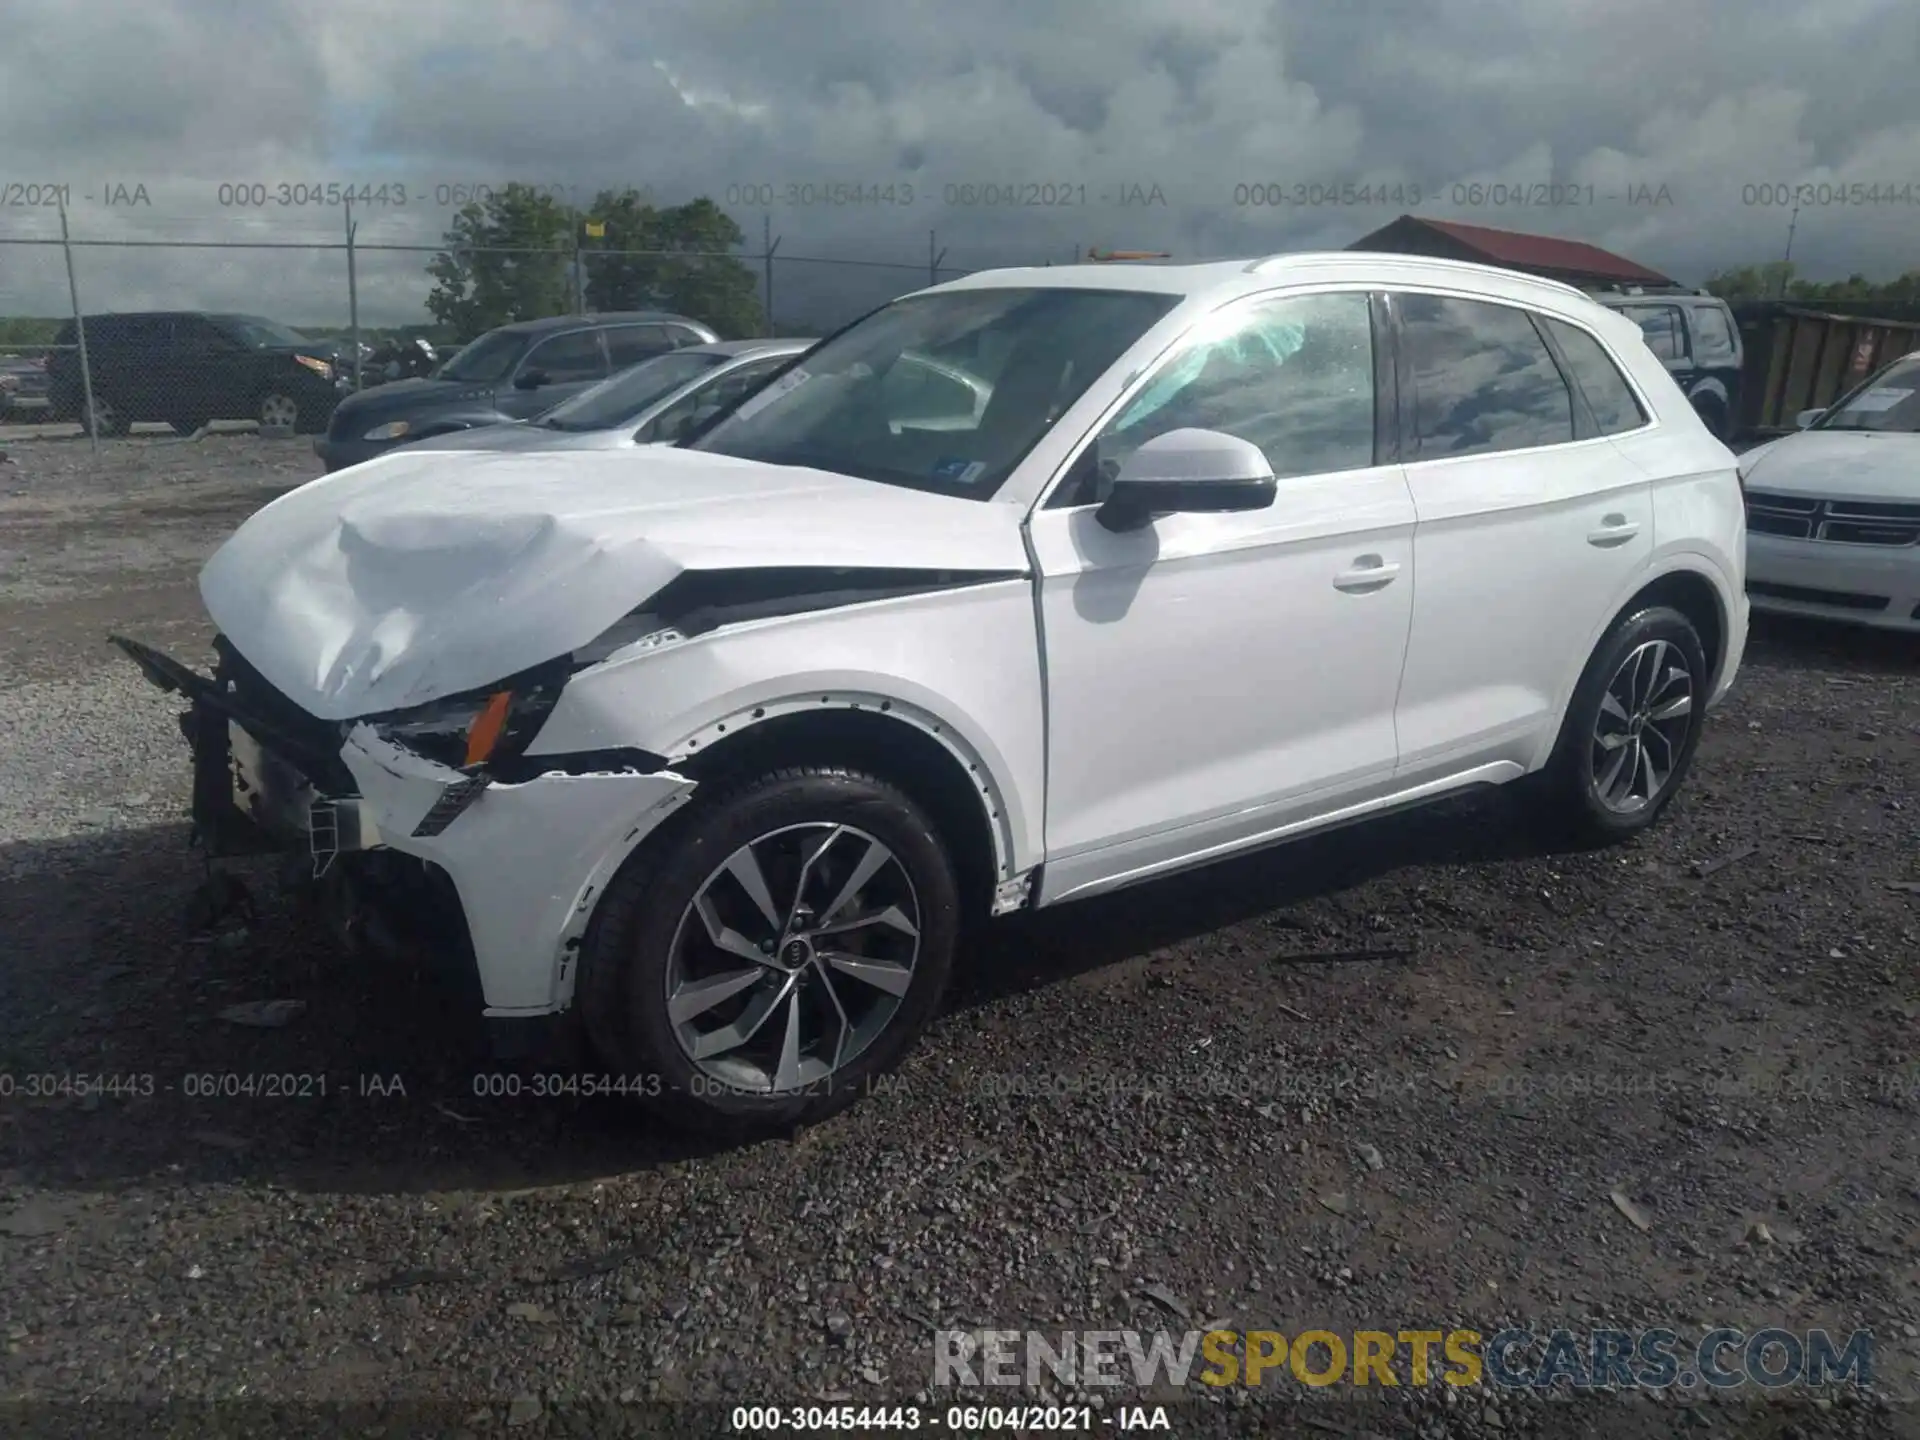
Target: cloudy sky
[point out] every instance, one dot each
(1154, 124)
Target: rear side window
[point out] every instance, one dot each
(630, 344)
(1608, 395)
(1660, 324)
(1713, 336)
(1482, 379)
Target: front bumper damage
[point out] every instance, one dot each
(517, 863)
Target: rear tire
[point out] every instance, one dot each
(1630, 730)
(1714, 416)
(278, 413)
(679, 925)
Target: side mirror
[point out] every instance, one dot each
(1807, 417)
(1188, 472)
(531, 379)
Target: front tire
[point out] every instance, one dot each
(759, 962)
(1631, 730)
(278, 413)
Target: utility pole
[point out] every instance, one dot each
(1786, 260)
(353, 299)
(768, 244)
(79, 330)
(933, 259)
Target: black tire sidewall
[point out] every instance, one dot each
(1573, 787)
(642, 912)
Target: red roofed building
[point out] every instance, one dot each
(1572, 261)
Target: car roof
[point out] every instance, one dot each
(593, 321)
(748, 347)
(1223, 280)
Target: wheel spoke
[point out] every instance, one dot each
(699, 996)
(1672, 710)
(891, 917)
(788, 1073)
(887, 975)
(723, 937)
(1646, 769)
(871, 863)
(732, 1037)
(806, 874)
(744, 866)
(846, 1023)
(1620, 759)
(1611, 742)
(1613, 709)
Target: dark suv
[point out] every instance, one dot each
(512, 373)
(187, 367)
(1696, 337)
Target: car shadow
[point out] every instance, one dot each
(119, 1069)
(1794, 642)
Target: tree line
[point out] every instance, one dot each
(1779, 280)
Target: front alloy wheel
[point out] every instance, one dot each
(793, 957)
(771, 949)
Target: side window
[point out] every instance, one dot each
(630, 344)
(1293, 376)
(1712, 335)
(1483, 379)
(574, 356)
(1661, 325)
(1608, 395)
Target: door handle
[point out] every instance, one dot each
(1369, 573)
(1614, 530)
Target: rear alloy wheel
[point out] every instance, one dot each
(103, 417)
(279, 413)
(1632, 728)
(781, 948)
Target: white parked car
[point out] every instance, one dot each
(652, 403)
(710, 748)
(1833, 512)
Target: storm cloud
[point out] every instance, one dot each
(1144, 121)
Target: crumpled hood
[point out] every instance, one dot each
(522, 436)
(1837, 464)
(419, 575)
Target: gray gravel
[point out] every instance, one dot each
(1383, 1079)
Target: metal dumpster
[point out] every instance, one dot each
(1801, 357)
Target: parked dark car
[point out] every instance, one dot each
(512, 373)
(188, 367)
(23, 388)
(1697, 338)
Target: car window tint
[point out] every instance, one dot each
(1608, 395)
(1661, 326)
(1293, 376)
(575, 356)
(1483, 380)
(1711, 332)
(630, 344)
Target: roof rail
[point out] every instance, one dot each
(1310, 257)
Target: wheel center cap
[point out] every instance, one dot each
(796, 952)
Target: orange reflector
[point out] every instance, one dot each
(487, 726)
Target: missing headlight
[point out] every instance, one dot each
(478, 727)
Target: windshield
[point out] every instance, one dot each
(617, 399)
(1889, 401)
(944, 392)
(261, 333)
(484, 361)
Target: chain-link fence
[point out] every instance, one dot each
(183, 334)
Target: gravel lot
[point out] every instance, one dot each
(1388, 1079)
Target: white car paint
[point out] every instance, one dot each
(1126, 703)
(1839, 471)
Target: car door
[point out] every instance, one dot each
(140, 370)
(557, 368)
(1531, 524)
(1213, 678)
(214, 371)
(1665, 329)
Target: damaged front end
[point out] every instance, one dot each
(382, 815)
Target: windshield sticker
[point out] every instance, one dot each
(959, 472)
(755, 403)
(1882, 397)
